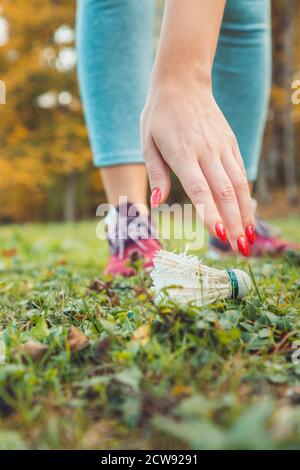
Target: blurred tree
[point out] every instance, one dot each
(280, 159)
(43, 137)
(288, 131)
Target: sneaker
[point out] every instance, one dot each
(130, 236)
(268, 242)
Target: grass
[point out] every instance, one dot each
(150, 377)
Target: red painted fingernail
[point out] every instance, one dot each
(155, 197)
(250, 234)
(243, 246)
(221, 232)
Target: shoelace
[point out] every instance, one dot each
(124, 229)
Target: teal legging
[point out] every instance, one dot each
(115, 51)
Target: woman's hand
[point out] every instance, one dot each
(183, 128)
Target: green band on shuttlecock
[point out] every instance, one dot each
(234, 283)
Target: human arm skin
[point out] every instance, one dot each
(183, 128)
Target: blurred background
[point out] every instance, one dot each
(46, 170)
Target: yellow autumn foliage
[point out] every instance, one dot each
(39, 146)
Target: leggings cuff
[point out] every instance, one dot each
(252, 173)
(122, 157)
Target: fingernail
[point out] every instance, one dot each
(221, 232)
(243, 246)
(250, 234)
(155, 197)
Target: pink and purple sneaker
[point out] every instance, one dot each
(130, 235)
(267, 242)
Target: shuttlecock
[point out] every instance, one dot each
(186, 279)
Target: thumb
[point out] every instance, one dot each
(158, 174)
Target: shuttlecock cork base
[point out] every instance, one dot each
(186, 279)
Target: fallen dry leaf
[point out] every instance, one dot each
(99, 286)
(76, 340)
(141, 335)
(9, 253)
(181, 390)
(114, 301)
(33, 349)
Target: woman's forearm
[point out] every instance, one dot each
(183, 128)
(189, 38)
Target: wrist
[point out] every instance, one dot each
(185, 75)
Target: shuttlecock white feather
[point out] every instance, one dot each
(186, 279)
